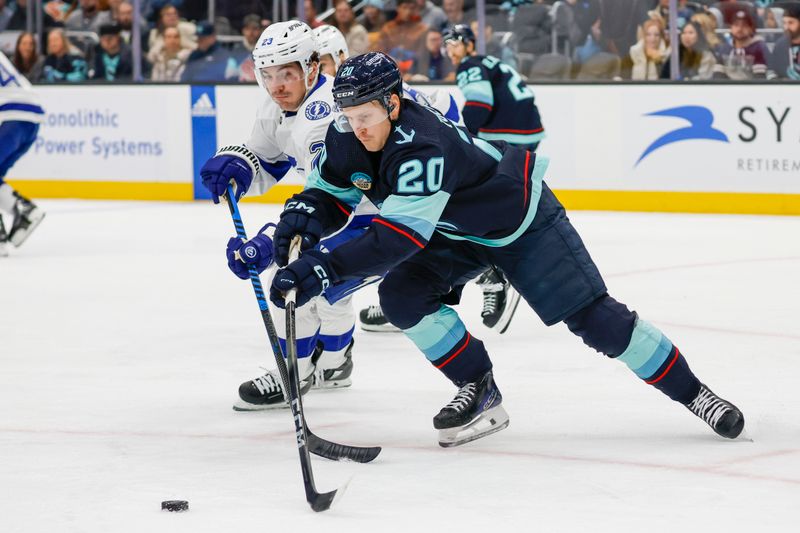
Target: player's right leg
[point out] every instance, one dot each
(16, 137)
(554, 272)
(266, 391)
(413, 296)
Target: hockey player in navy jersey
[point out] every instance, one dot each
(20, 116)
(499, 106)
(450, 206)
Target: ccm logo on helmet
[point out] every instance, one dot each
(345, 93)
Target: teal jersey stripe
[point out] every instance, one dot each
(420, 213)
(512, 138)
(539, 168)
(478, 91)
(488, 148)
(647, 351)
(437, 333)
(351, 196)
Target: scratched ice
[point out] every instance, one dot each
(124, 339)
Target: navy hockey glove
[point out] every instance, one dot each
(231, 164)
(257, 251)
(301, 217)
(310, 275)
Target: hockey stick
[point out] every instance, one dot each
(319, 502)
(316, 445)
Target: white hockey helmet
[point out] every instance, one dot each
(331, 41)
(283, 43)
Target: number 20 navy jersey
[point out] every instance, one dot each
(430, 176)
(499, 104)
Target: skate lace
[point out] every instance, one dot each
(489, 303)
(267, 383)
(374, 311)
(709, 407)
(464, 397)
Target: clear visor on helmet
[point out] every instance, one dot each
(361, 116)
(274, 77)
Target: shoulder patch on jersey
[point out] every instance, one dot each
(406, 137)
(361, 180)
(317, 110)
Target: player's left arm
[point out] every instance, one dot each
(473, 80)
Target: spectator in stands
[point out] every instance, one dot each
(170, 61)
(533, 27)
(27, 59)
(432, 15)
(685, 12)
(748, 56)
(112, 58)
(433, 65)
(6, 14)
(14, 15)
(577, 24)
(61, 64)
(88, 17)
(650, 53)
(344, 19)
(696, 60)
(243, 52)
(209, 61)
(785, 60)
(403, 37)
(123, 16)
(311, 14)
(168, 17)
(454, 9)
(708, 23)
(372, 17)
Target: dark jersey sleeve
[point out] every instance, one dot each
(328, 188)
(407, 218)
(474, 81)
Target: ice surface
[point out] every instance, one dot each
(123, 339)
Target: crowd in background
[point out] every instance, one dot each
(543, 39)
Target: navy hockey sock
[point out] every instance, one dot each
(448, 345)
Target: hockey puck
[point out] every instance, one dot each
(175, 506)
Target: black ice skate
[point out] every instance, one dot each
(3, 239)
(332, 378)
(26, 217)
(373, 319)
(266, 392)
(724, 418)
(475, 412)
(500, 300)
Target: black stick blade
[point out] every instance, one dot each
(341, 452)
(322, 502)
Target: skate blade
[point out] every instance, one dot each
(385, 328)
(21, 235)
(512, 298)
(492, 421)
(242, 405)
(332, 384)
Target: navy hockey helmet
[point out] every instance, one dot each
(368, 77)
(459, 32)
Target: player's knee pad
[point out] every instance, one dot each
(402, 301)
(605, 325)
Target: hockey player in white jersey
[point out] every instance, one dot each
(288, 134)
(20, 116)
(499, 297)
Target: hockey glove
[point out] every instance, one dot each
(231, 164)
(300, 216)
(310, 275)
(257, 251)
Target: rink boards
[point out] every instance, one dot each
(698, 148)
